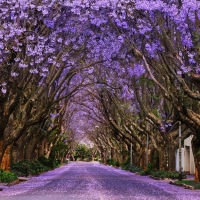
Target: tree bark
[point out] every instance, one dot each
(162, 158)
(196, 152)
(171, 157)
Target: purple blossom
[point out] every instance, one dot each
(14, 74)
(137, 71)
(3, 90)
(53, 116)
(33, 71)
(49, 23)
(23, 65)
(60, 40)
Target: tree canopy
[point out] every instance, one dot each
(130, 67)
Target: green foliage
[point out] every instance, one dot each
(49, 163)
(36, 167)
(7, 177)
(143, 173)
(26, 168)
(175, 175)
(156, 113)
(44, 160)
(81, 152)
(131, 168)
(197, 153)
(21, 168)
(112, 162)
(166, 174)
(148, 170)
(196, 185)
(146, 80)
(52, 134)
(58, 150)
(116, 163)
(160, 174)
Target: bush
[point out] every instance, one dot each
(148, 170)
(7, 177)
(116, 163)
(125, 166)
(151, 171)
(26, 168)
(131, 168)
(175, 175)
(43, 160)
(110, 161)
(36, 167)
(135, 168)
(160, 174)
(143, 173)
(165, 174)
(54, 163)
(21, 168)
(49, 162)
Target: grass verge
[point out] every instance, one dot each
(192, 183)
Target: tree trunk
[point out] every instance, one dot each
(171, 157)
(151, 155)
(18, 150)
(31, 150)
(17, 153)
(162, 158)
(142, 158)
(5, 156)
(196, 152)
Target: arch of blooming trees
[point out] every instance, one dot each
(131, 67)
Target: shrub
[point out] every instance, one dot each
(135, 168)
(165, 174)
(160, 174)
(7, 177)
(54, 163)
(36, 167)
(49, 162)
(21, 168)
(143, 173)
(125, 166)
(26, 168)
(175, 175)
(43, 160)
(149, 169)
(116, 163)
(110, 161)
(131, 168)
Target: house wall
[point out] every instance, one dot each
(187, 158)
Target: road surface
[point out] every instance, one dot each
(94, 181)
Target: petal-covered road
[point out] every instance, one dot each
(94, 181)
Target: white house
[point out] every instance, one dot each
(187, 158)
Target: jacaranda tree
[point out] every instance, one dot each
(51, 49)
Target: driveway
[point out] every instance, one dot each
(94, 181)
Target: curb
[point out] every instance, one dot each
(183, 185)
(155, 178)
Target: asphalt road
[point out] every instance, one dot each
(94, 181)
